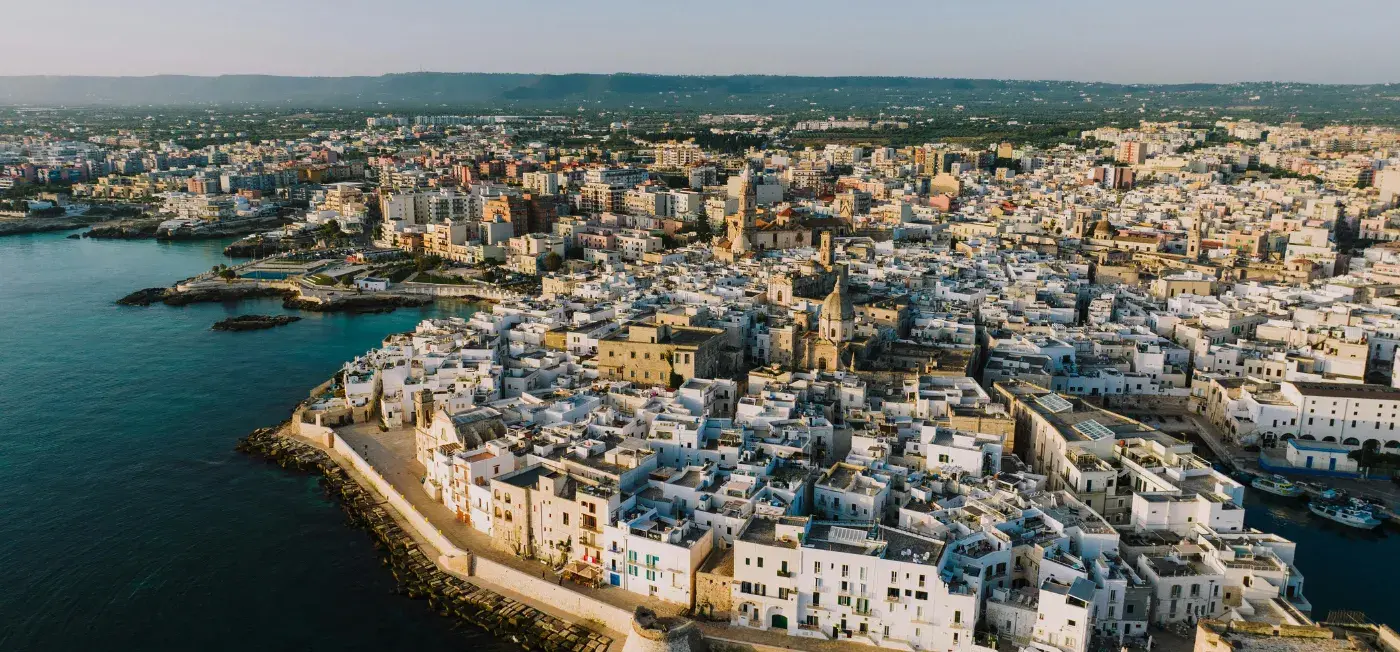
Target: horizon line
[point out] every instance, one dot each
(695, 75)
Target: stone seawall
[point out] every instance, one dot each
(418, 576)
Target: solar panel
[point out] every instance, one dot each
(1054, 403)
(1093, 429)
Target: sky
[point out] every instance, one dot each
(1142, 41)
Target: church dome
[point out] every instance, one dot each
(837, 303)
(1103, 229)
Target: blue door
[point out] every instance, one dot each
(1310, 461)
(1331, 464)
(615, 579)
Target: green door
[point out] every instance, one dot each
(779, 621)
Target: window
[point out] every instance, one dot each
(760, 562)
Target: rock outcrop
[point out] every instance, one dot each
(254, 322)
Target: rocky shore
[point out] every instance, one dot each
(360, 303)
(124, 229)
(254, 322)
(224, 229)
(173, 297)
(292, 300)
(418, 576)
(45, 224)
(258, 248)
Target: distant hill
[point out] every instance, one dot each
(423, 91)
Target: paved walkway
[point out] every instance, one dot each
(392, 454)
(1179, 420)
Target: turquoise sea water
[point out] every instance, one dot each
(127, 521)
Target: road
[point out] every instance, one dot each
(1178, 421)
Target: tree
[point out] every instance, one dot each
(425, 262)
(704, 232)
(553, 262)
(227, 274)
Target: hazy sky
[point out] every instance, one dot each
(1351, 41)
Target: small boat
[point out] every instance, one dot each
(1345, 515)
(1278, 486)
(1375, 507)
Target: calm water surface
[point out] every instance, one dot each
(127, 522)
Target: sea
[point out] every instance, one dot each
(128, 522)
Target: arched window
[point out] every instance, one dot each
(1351, 441)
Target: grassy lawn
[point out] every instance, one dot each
(321, 279)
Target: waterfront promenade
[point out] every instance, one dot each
(390, 454)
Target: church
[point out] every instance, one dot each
(833, 345)
(751, 230)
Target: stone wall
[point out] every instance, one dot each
(459, 560)
(398, 502)
(560, 597)
(417, 576)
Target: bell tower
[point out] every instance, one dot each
(1193, 241)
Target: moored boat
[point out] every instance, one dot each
(1278, 486)
(1357, 518)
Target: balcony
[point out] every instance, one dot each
(783, 573)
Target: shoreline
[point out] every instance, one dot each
(310, 446)
(292, 298)
(419, 575)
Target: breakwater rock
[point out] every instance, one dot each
(254, 322)
(418, 576)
